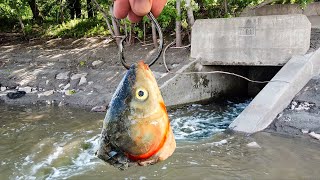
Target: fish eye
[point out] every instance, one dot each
(141, 94)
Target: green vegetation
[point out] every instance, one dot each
(82, 18)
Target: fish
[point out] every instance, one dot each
(136, 129)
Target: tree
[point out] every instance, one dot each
(15, 10)
(190, 13)
(90, 9)
(35, 11)
(178, 24)
(75, 8)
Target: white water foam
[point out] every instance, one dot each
(201, 121)
(84, 161)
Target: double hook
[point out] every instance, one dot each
(160, 47)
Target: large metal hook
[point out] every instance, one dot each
(160, 47)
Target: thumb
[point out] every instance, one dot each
(140, 7)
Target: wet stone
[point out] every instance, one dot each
(78, 76)
(63, 75)
(46, 93)
(253, 145)
(25, 89)
(83, 80)
(95, 63)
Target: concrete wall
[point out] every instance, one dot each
(277, 95)
(263, 40)
(189, 88)
(312, 9)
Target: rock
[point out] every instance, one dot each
(63, 75)
(95, 63)
(70, 92)
(16, 95)
(90, 82)
(315, 135)
(77, 76)
(83, 80)
(47, 82)
(99, 109)
(48, 102)
(219, 143)
(253, 145)
(67, 86)
(3, 88)
(26, 89)
(46, 93)
(305, 131)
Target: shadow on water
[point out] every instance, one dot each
(59, 143)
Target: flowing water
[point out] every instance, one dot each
(42, 142)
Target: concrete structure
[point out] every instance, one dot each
(186, 88)
(312, 9)
(315, 21)
(277, 95)
(263, 40)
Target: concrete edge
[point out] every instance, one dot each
(182, 69)
(276, 96)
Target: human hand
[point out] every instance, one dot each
(136, 9)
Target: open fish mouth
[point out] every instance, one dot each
(136, 128)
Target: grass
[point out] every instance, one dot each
(76, 28)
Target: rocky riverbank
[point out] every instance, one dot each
(85, 73)
(77, 72)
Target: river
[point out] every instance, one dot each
(50, 142)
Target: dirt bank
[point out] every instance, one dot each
(78, 72)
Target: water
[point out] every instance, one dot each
(59, 143)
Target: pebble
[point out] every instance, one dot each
(3, 88)
(26, 89)
(219, 143)
(95, 63)
(305, 131)
(77, 76)
(61, 103)
(99, 109)
(46, 93)
(67, 86)
(48, 102)
(83, 80)
(253, 145)
(69, 92)
(63, 75)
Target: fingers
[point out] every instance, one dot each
(133, 17)
(140, 7)
(157, 7)
(136, 9)
(121, 8)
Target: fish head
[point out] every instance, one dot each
(137, 122)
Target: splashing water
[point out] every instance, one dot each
(202, 121)
(61, 143)
(58, 163)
